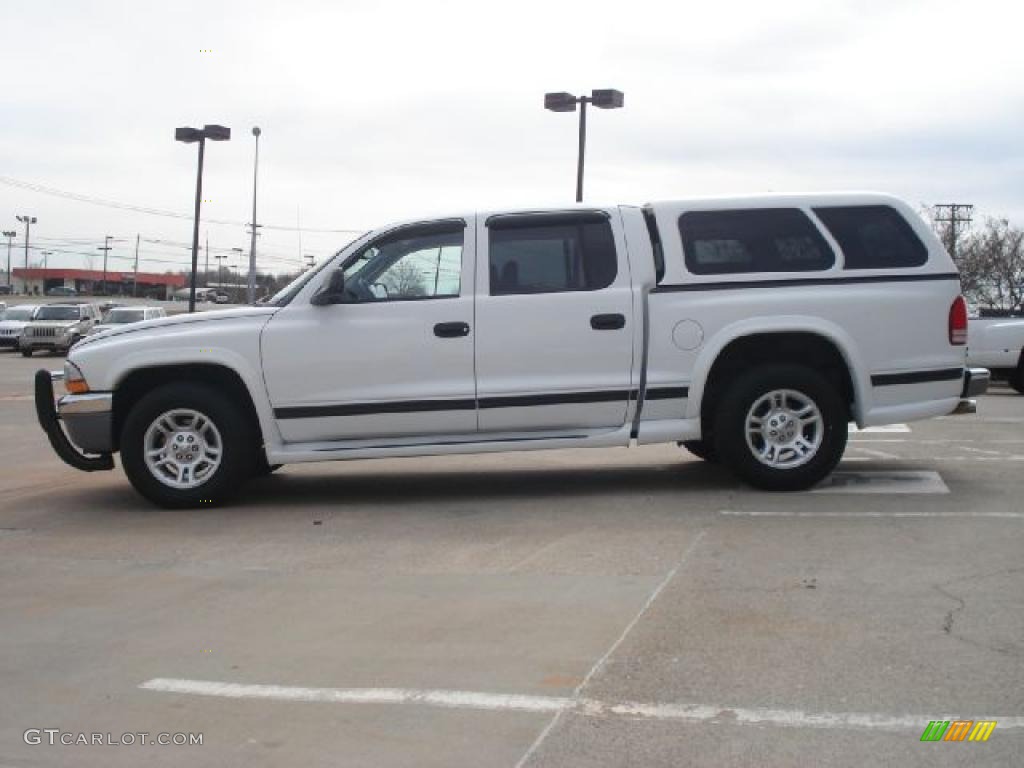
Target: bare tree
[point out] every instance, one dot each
(404, 279)
(991, 264)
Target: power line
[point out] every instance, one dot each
(44, 190)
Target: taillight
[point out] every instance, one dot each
(958, 322)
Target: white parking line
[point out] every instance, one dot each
(860, 513)
(903, 481)
(475, 700)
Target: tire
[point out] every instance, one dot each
(263, 469)
(1016, 379)
(226, 453)
(781, 463)
(26, 353)
(702, 449)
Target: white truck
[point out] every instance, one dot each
(752, 330)
(997, 343)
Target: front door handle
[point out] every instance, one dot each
(451, 330)
(611, 322)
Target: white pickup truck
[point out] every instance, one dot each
(752, 330)
(997, 343)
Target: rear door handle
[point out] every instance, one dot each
(611, 322)
(451, 330)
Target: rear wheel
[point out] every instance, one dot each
(186, 445)
(781, 427)
(702, 449)
(1017, 377)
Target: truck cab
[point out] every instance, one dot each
(751, 330)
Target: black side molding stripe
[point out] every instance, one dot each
(555, 398)
(797, 281)
(509, 401)
(365, 409)
(916, 377)
(666, 393)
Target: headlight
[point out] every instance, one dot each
(74, 381)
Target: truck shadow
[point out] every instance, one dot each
(432, 487)
(359, 485)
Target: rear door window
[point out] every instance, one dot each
(753, 240)
(544, 253)
(873, 237)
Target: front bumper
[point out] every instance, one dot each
(88, 419)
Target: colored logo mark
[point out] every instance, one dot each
(958, 730)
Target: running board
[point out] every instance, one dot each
(320, 451)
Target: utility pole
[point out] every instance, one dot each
(106, 249)
(252, 246)
(10, 236)
(207, 258)
(954, 214)
(135, 280)
(28, 221)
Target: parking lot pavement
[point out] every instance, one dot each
(572, 608)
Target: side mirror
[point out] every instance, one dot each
(333, 292)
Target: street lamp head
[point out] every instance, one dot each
(187, 135)
(217, 132)
(607, 98)
(560, 102)
(256, 131)
(26, 219)
(9, 234)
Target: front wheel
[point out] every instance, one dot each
(781, 427)
(187, 445)
(26, 353)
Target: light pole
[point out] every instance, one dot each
(190, 136)
(28, 221)
(606, 98)
(106, 248)
(10, 236)
(252, 247)
(220, 270)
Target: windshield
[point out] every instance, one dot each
(118, 316)
(57, 313)
(19, 313)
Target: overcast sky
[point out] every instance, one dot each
(373, 112)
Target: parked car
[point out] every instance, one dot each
(119, 317)
(997, 343)
(61, 290)
(58, 327)
(5, 290)
(750, 329)
(13, 323)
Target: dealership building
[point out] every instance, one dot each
(37, 282)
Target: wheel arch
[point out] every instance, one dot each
(135, 383)
(798, 340)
